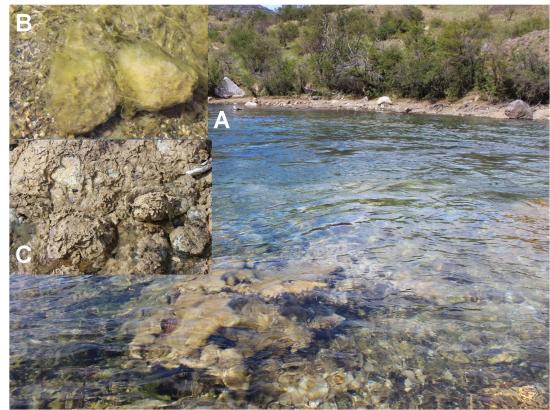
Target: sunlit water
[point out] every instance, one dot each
(421, 244)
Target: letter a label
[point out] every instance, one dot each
(221, 120)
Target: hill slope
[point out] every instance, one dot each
(423, 52)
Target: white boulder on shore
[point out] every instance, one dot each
(518, 110)
(227, 88)
(384, 100)
(251, 104)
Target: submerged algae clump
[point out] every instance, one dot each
(150, 79)
(83, 93)
(67, 38)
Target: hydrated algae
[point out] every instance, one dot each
(150, 79)
(83, 93)
(167, 46)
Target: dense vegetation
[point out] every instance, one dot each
(379, 50)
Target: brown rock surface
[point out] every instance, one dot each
(110, 207)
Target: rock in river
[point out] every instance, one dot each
(518, 110)
(227, 88)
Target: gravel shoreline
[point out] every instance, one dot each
(467, 106)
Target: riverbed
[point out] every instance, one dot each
(359, 260)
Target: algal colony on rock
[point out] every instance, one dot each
(92, 74)
(150, 79)
(83, 93)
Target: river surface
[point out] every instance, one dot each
(359, 260)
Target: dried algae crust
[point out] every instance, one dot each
(111, 207)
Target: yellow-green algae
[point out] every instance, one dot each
(39, 102)
(83, 93)
(150, 79)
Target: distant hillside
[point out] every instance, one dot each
(235, 10)
(423, 52)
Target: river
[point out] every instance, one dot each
(359, 260)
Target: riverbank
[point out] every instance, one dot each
(467, 106)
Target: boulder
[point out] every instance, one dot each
(227, 88)
(251, 104)
(384, 100)
(518, 110)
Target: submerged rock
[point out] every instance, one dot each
(520, 397)
(227, 88)
(82, 90)
(150, 79)
(518, 110)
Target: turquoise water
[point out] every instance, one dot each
(359, 260)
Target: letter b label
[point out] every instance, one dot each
(23, 22)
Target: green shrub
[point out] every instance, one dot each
(527, 25)
(527, 77)
(255, 50)
(214, 35)
(282, 79)
(288, 13)
(401, 21)
(460, 47)
(288, 31)
(419, 73)
(214, 74)
(437, 22)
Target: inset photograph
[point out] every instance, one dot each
(110, 207)
(114, 72)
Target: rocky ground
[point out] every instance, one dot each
(111, 207)
(467, 106)
(75, 72)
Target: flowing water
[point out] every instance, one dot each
(360, 260)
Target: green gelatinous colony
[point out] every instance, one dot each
(104, 61)
(150, 79)
(83, 93)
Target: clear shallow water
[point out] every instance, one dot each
(448, 213)
(68, 346)
(360, 260)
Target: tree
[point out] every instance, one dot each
(460, 46)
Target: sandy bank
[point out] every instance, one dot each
(467, 106)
